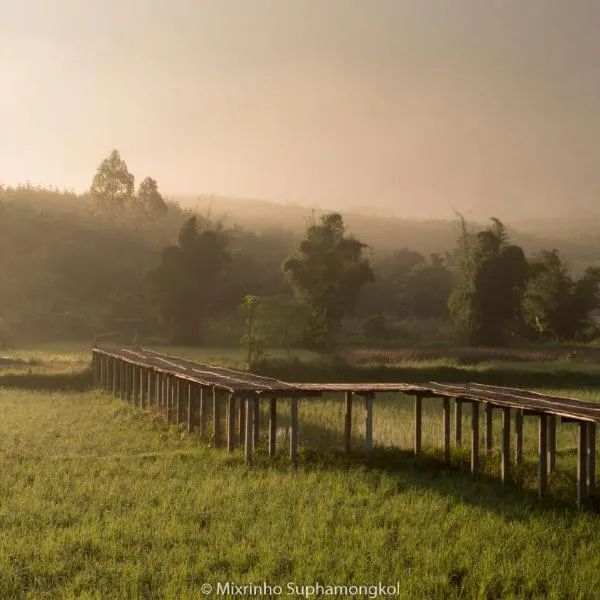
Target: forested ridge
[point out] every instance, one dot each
(124, 258)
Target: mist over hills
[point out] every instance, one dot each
(577, 237)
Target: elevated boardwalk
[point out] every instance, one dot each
(183, 389)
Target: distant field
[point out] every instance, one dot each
(101, 500)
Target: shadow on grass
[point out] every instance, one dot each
(496, 374)
(78, 381)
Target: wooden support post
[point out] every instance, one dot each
(101, 371)
(505, 443)
(122, 380)
(368, 425)
(256, 421)
(518, 436)
(217, 419)
(191, 406)
(231, 423)
(143, 386)
(107, 373)
(551, 443)
(489, 425)
(179, 401)
(242, 420)
(446, 428)
(202, 404)
(272, 427)
(348, 423)
(474, 437)
(135, 385)
(151, 383)
(294, 431)
(582, 448)
(591, 455)
(543, 452)
(249, 427)
(115, 379)
(129, 371)
(170, 396)
(157, 390)
(457, 422)
(418, 411)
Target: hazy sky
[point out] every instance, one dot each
(414, 106)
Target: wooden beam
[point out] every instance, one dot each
(143, 386)
(518, 436)
(446, 428)
(179, 398)
(505, 443)
(348, 423)
(216, 418)
(457, 422)
(591, 455)
(551, 443)
(543, 455)
(134, 385)
(122, 380)
(272, 427)
(230, 423)
(582, 449)
(368, 425)
(489, 424)
(474, 437)
(115, 377)
(294, 430)
(191, 406)
(418, 418)
(249, 437)
(128, 368)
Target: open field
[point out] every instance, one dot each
(101, 500)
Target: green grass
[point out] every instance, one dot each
(103, 500)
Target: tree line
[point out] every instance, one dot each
(124, 259)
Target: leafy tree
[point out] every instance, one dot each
(113, 185)
(554, 305)
(328, 271)
(189, 282)
(149, 200)
(485, 302)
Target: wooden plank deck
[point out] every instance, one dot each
(177, 385)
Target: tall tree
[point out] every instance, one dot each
(556, 306)
(189, 283)
(113, 185)
(486, 299)
(328, 271)
(149, 200)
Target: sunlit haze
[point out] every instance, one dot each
(415, 107)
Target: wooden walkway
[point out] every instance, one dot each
(185, 390)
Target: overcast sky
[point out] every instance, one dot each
(414, 106)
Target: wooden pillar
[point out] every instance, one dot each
(446, 428)
(418, 411)
(170, 396)
(107, 373)
(591, 455)
(368, 425)
(115, 377)
(202, 404)
(249, 437)
(242, 419)
(256, 421)
(457, 422)
(129, 371)
(95, 368)
(518, 436)
(191, 406)
(143, 386)
(348, 423)
(272, 427)
(101, 371)
(151, 383)
(135, 384)
(179, 400)
(157, 390)
(217, 418)
(231, 423)
(489, 428)
(582, 448)
(122, 380)
(505, 443)
(474, 437)
(294, 431)
(551, 443)
(543, 452)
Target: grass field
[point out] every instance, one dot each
(102, 500)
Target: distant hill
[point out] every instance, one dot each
(578, 239)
